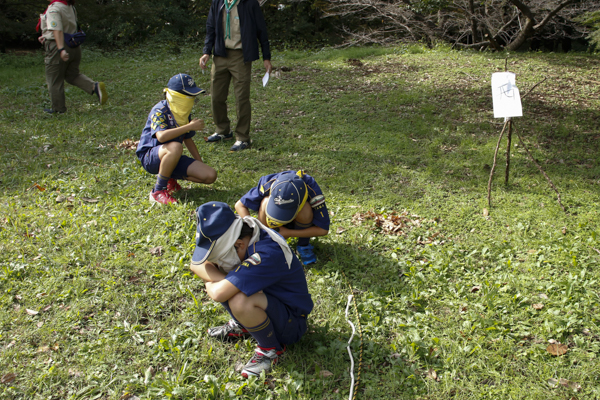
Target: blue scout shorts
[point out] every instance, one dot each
(151, 163)
(288, 328)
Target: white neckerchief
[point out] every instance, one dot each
(225, 243)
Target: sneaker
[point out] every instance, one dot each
(100, 90)
(307, 255)
(173, 186)
(261, 361)
(230, 331)
(239, 145)
(162, 197)
(217, 137)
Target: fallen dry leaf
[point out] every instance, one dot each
(129, 144)
(557, 349)
(475, 289)
(553, 383)
(564, 230)
(8, 378)
(537, 306)
(156, 251)
(325, 374)
(485, 212)
(431, 374)
(340, 229)
(38, 187)
(40, 324)
(31, 312)
(49, 306)
(60, 198)
(90, 200)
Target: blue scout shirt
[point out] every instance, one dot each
(265, 269)
(159, 119)
(316, 199)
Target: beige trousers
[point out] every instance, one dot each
(58, 71)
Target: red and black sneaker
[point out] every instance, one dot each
(162, 197)
(230, 331)
(173, 186)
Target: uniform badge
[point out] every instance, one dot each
(317, 201)
(254, 259)
(170, 117)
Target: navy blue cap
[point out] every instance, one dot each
(214, 219)
(288, 196)
(183, 83)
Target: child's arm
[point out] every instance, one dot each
(170, 134)
(241, 209)
(191, 146)
(221, 291)
(217, 287)
(208, 272)
(312, 231)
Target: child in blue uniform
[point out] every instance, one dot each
(168, 128)
(292, 203)
(253, 273)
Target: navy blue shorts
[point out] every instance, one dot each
(151, 163)
(288, 328)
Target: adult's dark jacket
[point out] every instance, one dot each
(252, 27)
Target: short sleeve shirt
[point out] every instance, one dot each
(159, 119)
(265, 269)
(316, 199)
(59, 17)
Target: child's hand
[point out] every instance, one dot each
(196, 125)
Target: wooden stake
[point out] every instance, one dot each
(509, 137)
(494, 165)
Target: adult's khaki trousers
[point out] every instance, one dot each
(223, 71)
(59, 71)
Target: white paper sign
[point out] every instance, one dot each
(265, 79)
(506, 96)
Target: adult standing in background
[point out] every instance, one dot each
(62, 62)
(233, 30)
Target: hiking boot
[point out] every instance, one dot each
(239, 145)
(162, 197)
(230, 331)
(217, 137)
(261, 361)
(307, 255)
(100, 91)
(173, 186)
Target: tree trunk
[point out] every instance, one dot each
(525, 34)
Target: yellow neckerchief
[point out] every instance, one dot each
(180, 105)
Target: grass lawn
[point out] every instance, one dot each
(454, 299)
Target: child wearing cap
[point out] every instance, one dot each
(253, 273)
(168, 128)
(292, 203)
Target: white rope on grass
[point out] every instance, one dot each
(350, 351)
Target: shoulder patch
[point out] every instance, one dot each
(317, 201)
(254, 259)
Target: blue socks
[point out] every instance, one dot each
(265, 335)
(161, 183)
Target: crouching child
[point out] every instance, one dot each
(169, 126)
(292, 203)
(253, 273)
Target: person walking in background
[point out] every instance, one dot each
(233, 30)
(61, 61)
